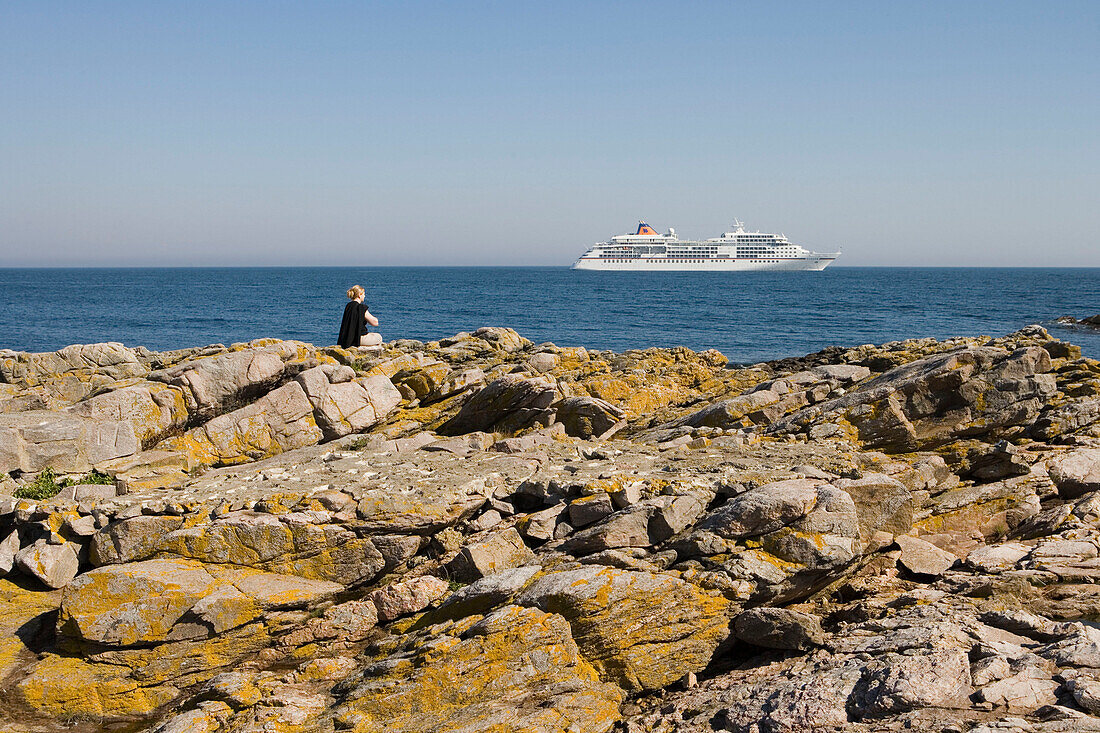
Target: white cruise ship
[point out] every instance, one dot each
(645, 249)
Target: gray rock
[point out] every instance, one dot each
(923, 558)
(973, 391)
(1078, 648)
(625, 528)
(1066, 419)
(585, 417)
(539, 526)
(675, 513)
(1086, 693)
(1076, 473)
(488, 592)
(153, 410)
(1003, 461)
(1026, 691)
(280, 421)
(224, 382)
(936, 678)
(882, 503)
(54, 565)
(997, 558)
(342, 406)
(68, 443)
(590, 509)
(500, 551)
(779, 628)
(8, 549)
(408, 596)
(729, 413)
(764, 509)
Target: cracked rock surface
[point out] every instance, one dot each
(481, 533)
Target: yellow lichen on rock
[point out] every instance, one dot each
(67, 687)
(640, 630)
(515, 669)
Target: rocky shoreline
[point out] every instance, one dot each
(481, 533)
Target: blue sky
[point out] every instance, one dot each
(360, 133)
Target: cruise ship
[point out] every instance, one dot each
(645, 249)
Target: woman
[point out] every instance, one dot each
(353, 329)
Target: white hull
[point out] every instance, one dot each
(736, 251)
(816, 264)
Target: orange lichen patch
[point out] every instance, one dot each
(23, 614)
(517, 669)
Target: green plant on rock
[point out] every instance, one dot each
(95, 477)
(44, 486)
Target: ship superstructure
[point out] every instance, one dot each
(738, 249)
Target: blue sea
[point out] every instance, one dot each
(749, 317)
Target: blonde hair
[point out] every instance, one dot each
(356, 291)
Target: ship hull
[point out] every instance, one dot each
(815, 264)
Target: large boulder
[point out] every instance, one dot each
(779, 628)
(342, 404)
(154, 410)
(882, 503)
(513, 669)
(136, 635)
(976, 391)
(730, 413)
(216, 384)
(71, 374)
(585, 417)
(505, 405)
(54, 565)
(1076, 473)
(279, 421)
(500, 551)
(1055, 422)
(785, 538)
(641, 630)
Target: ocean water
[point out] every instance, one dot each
(747, 316)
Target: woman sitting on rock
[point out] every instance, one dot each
(353, 329)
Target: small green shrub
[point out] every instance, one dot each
(44, 486)
(95, 477)
(358, 443)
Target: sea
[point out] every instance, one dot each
(748, 316)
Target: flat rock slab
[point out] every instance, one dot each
(171, 600)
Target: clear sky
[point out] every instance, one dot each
(379, 133)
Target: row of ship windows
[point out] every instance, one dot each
(677, 260)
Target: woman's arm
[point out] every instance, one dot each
(370, 318)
